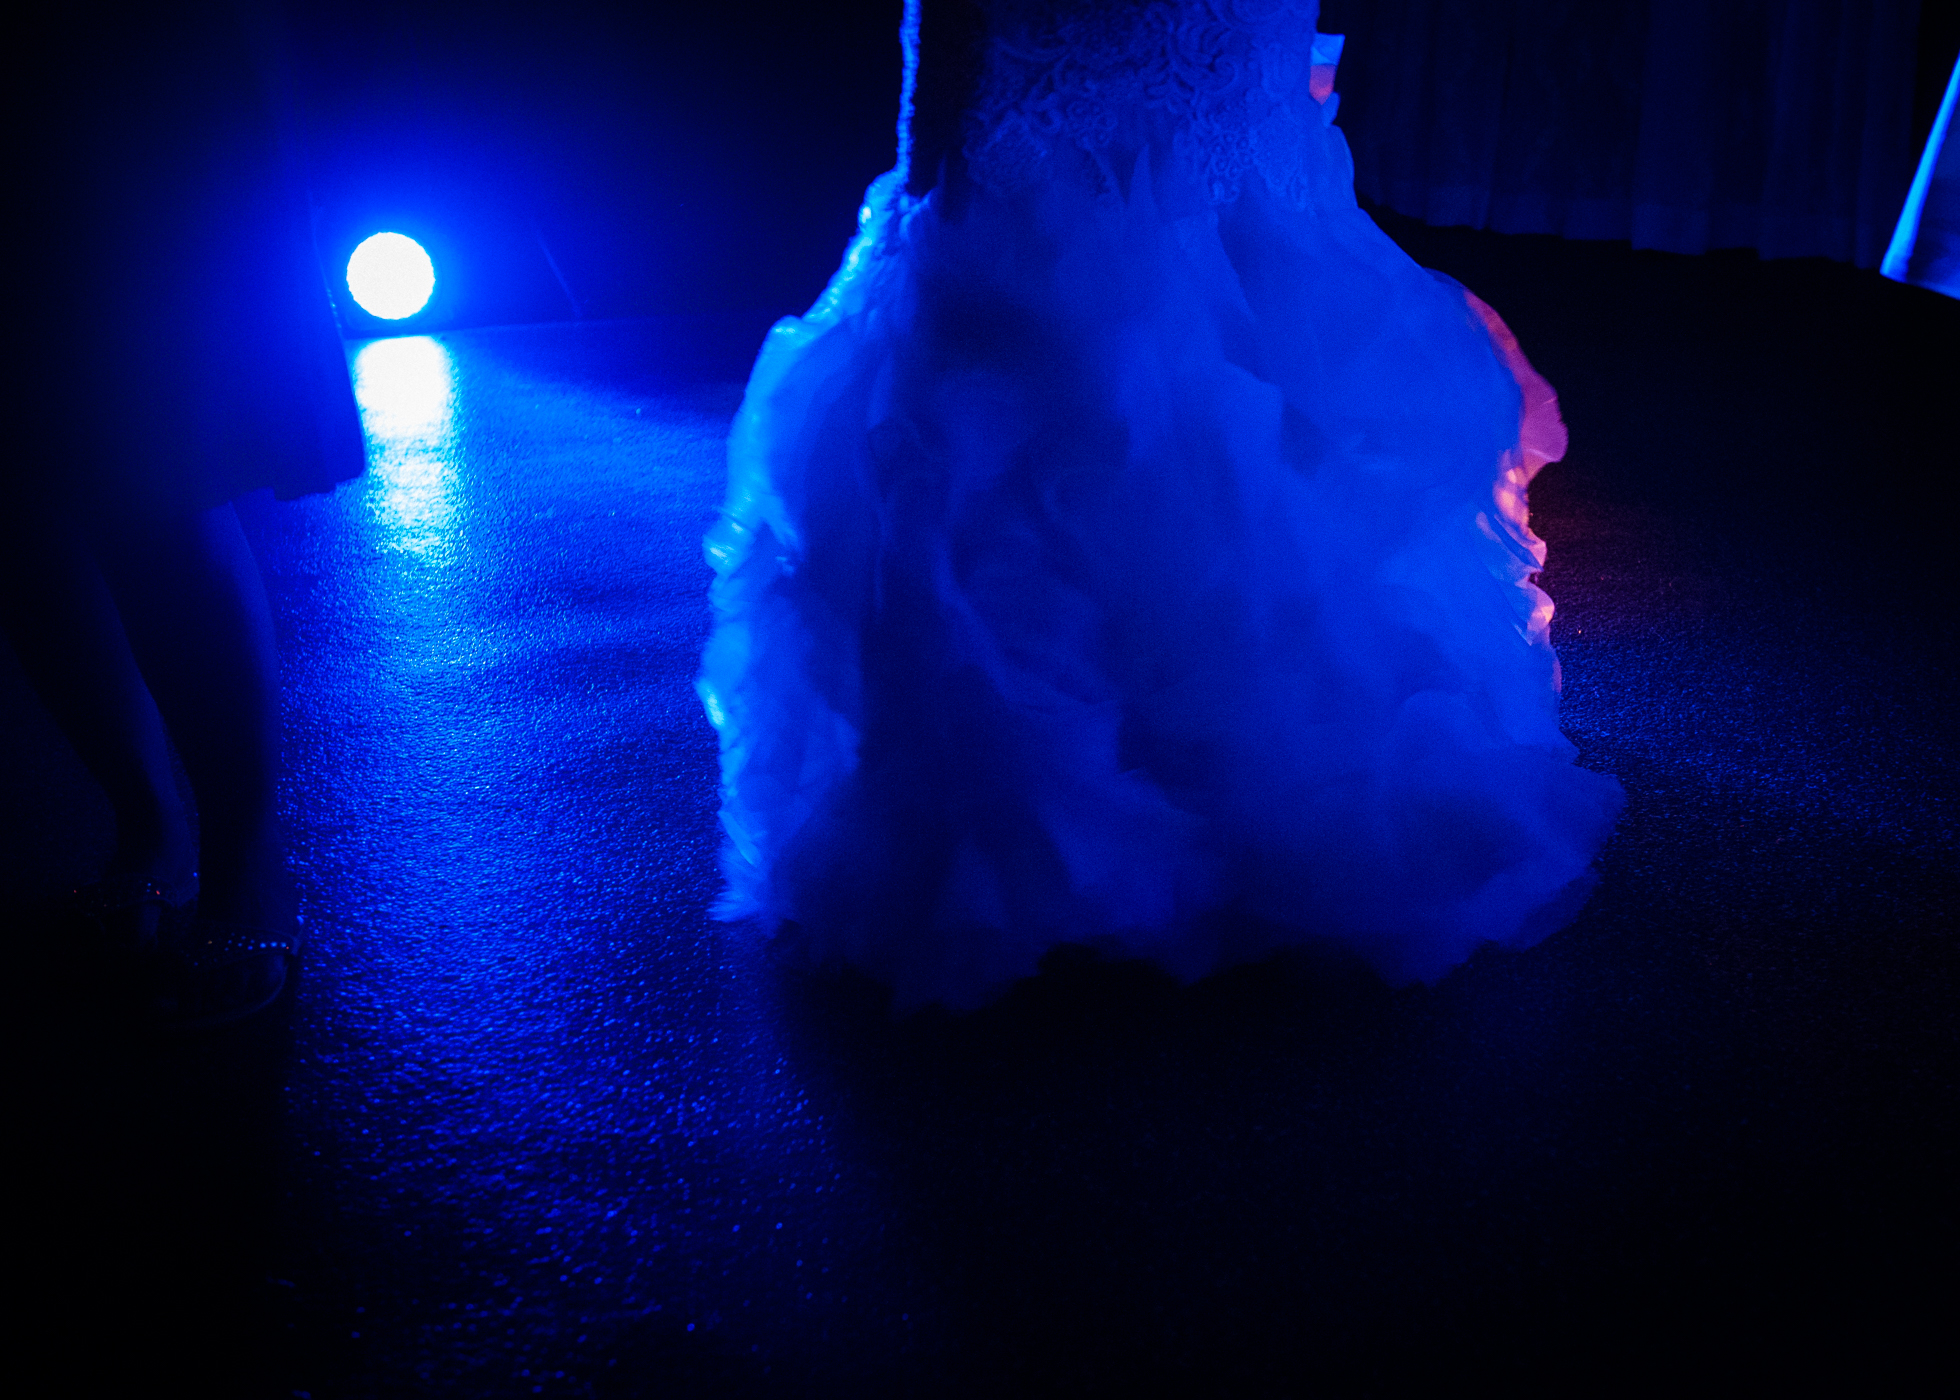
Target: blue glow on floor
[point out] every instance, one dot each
(406, 390)
(528, 1052)
(546, 1128)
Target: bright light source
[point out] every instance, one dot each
(390, 276)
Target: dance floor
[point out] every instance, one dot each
(531, 1123)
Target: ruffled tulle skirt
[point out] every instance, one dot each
(1102, 571)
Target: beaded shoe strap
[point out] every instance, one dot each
(215, 942)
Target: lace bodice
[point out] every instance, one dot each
(1223, 87)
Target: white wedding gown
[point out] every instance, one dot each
(1132, 551)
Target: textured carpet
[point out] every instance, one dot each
(530, 1123)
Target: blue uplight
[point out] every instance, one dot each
(390, 276)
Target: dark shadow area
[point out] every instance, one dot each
(150, 1186)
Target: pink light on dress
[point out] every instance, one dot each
(1542, 438)
(1325, 57)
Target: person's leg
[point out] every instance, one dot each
(196, 610)
(65, 627)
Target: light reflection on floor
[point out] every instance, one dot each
(528, 1064)
(406, 387)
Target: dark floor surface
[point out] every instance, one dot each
(531, 1124)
